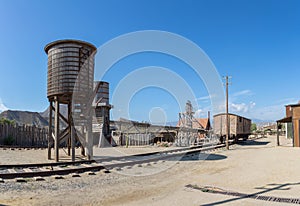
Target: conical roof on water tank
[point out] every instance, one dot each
(69, 61)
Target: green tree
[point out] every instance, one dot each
(7, 121)
(253, 127)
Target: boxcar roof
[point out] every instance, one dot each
(220, 114)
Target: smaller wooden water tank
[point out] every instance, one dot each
(102, 96)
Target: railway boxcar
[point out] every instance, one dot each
(240, 127)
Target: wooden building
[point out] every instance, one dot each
(240, 127)
(200, 127)
(140, 133)
(292, 118)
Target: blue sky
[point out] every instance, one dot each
(255, 42)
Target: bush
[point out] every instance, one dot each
(253, 127)
(8, 140)
(7, 121)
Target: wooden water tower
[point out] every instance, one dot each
(70, 68)
(102, 112)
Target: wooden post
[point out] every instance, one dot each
(72, 132)
(227, 117)
(73, 143)
(50, 138)
(69, 124)
(89, 139)
(56, 130)
(277, 135)
(69, 143)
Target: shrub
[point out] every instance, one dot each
(7, 121)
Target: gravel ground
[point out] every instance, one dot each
(249, 168)
(23, 156)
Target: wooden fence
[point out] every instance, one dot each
(23, 136)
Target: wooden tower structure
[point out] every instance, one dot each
(102, 112)
(70, 70)
(186, 131)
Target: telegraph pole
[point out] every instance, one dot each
(227, 115)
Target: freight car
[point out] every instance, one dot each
(240, 127)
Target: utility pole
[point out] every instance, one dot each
(227, 114)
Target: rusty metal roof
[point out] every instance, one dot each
(202, 123)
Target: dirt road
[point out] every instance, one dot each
(252, 167)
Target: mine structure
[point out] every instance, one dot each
(190, 129)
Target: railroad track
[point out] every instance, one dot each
(4, 147)
(37, 171)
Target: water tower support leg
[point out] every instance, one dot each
(72, 132)
(89, 140)
(56, 130)
(69, 143)
(73, 143)
(50, 138)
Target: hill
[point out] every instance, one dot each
(63, 110)
(25, 117)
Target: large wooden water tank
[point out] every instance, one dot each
(66, 60)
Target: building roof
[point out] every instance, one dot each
(203, 122)
(220, 114)
(197, 123)
(293, 105)
(285, 120)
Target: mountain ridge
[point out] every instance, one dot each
(25, 117)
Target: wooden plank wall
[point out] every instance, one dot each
(24, 136)
(296, 126)
(296, 133)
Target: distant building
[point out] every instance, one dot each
(197, 123)
(202, 125)
(140, 133)
(270, 128)
(292, 121)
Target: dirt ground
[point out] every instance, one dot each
(24, 156)
(253, 167)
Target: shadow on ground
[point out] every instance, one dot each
(203, 156)
(264, 189)
(253, 143)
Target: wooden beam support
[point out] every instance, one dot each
(72, 131)
(278, 135)
(50, 139)
(61, 116)
(56, 130)
(89, 139)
